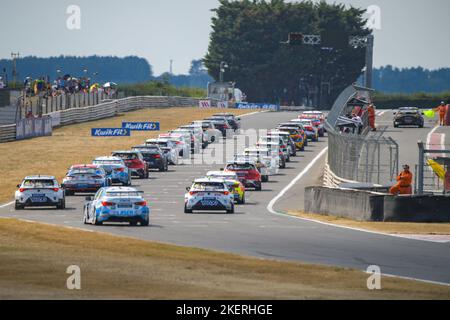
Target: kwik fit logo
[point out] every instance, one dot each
(111, 132)
(141, 126)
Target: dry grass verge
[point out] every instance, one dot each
(74, 145)
(386, 227)
(34, 258)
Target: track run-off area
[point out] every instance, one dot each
(260, 228)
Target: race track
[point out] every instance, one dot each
(254, 231)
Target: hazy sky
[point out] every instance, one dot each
(413, 32)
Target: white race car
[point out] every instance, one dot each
(212, 134)
(40, 191)
(183, 145)
(210, 195)
(271, 160)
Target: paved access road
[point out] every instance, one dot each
(254, 231)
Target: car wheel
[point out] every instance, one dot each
(145, 223)
(61, 205)
(133, 223)
(258, 187)
(97, 223)
(186, 210)
(18, 206)
(231, 211)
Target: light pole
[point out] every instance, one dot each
(223, 65)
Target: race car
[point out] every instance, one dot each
(287, 139)
(197, 131)
(246, 172)
(222, 125)
(311, 131)
(154, 156)
(260, 164)
(208, 194)
(190, 136)
(296, 136)
(169, 147)
(85, 178)
(408, 117)
(182, 144)
(271, 160)
(116, 204)
(233, 183)
(284, 146)
(115, 169)
(135, 163)
(318, 120)
(39, 191)
(234, 121)
(300, 129)
(274, 148)
(209, 130)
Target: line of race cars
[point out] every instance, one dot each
(109, 178)
(220, 190)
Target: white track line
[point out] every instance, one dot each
(7, 204)
(429, 136)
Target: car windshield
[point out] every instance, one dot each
(123, 194)
(90, 171)
(208, 186)
(38, 183)
(223, 176)
(127, 156)
(240, 167)
(107, 162)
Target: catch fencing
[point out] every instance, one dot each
(368, 159)
(105, 110)
(356, 158)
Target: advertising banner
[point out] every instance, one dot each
(141, 126)
(110, 132)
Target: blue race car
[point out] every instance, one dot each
(85, 178)
(117, 204)
(115, 168)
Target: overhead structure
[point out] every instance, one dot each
(338, 40)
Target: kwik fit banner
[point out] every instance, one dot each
(141, 126)
(110, 132)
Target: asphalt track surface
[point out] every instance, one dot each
(254, 231)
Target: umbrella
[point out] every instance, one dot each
(94, 86)
(110, 85)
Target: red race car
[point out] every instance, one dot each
(246, 172)
(135, 162)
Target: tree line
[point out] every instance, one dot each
(248, 36)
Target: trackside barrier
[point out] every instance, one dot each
(33, 127)
(258, 106)
(331, 180)
(106, 109)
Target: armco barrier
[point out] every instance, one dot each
(353, 204)
(7, 133)
(106, 109)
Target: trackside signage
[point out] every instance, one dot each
(258, 106)
(110, 132)
(141, 126)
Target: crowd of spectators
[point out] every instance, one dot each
(64, 85)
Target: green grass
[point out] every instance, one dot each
(160, 88)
